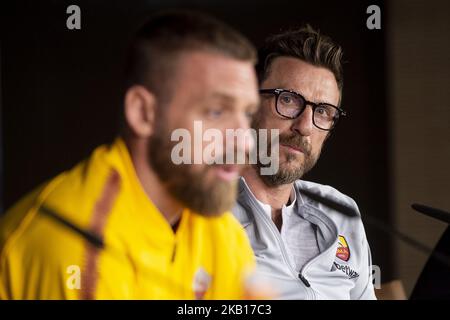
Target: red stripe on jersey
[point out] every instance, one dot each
(102, 209)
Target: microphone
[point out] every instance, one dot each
(438, 214)
(434, 282)
(254, 288)
(91, 237)
(348, 211)
(98, 242)
(380, 225)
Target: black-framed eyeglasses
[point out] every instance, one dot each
(290, 105)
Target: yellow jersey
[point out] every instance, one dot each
(142, 257)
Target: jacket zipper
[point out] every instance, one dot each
(174, 252)
(304, 280)
(296, 275)
(301, 274)
(308, 264)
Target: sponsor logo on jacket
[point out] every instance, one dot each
(343, 250)
(352, 274)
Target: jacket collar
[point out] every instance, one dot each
(310, 210)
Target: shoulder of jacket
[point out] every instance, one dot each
(327, 192)
(241, 213)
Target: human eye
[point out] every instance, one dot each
(286, 99)
(325, 111)
(215, 112)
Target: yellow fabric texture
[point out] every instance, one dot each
(41, 258)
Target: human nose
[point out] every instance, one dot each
(303, 125)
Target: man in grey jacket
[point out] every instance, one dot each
(304, 248)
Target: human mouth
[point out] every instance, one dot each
(292, 148)
(227, 172)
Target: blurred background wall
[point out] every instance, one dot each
(61, 94)
(418, 51)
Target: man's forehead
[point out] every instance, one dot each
(225, 76)
(314, 82)
(230, 96)
(208, 60)
(211, 76)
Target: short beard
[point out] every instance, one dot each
(190, 188)
(286, 175)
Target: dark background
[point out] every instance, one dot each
(60, 90)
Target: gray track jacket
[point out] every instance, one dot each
(342, 270)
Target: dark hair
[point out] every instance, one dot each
(306, 44)
(153, 52)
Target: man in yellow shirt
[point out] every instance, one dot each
(129, 223)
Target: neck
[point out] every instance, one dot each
(276, 196)
(155, 190)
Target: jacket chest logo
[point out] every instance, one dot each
(343, 250)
